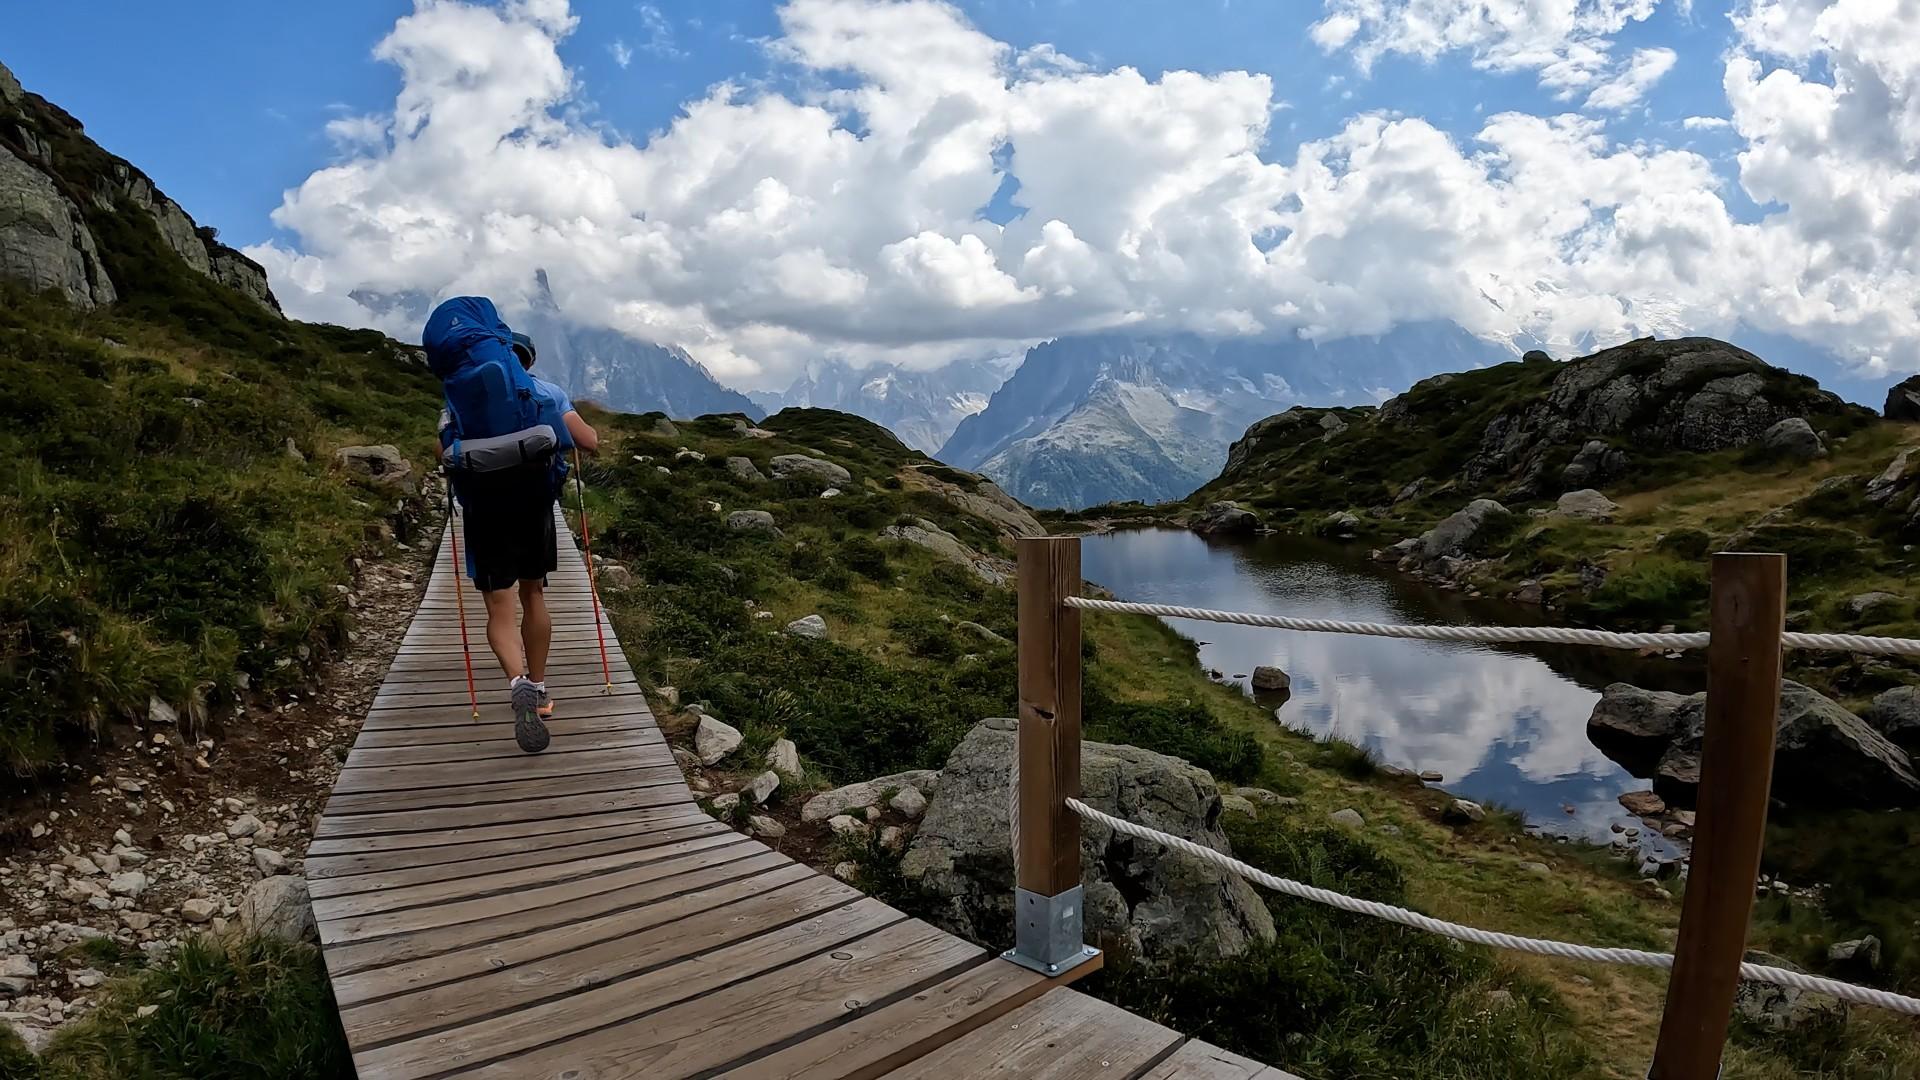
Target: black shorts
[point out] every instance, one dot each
(510, 533)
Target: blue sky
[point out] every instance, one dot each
(917, 180)
(242, 118)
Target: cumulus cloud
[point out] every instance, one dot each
(762, 228)
(1646, 67)
(622, 52)
(1706, 123)
(1566, 42)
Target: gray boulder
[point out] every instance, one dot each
(1872, 605)
(665, 428)
(802, 467)
(753, 521)
(810, 626)
(44, 240)
(744, 469)
(1139, 896)
(1586, 504)
(1634, 726)
(1823, 756)
(714, 739)
(1781, 1008)
(1267, 677)
(1903, 401)
(1224, 518)
(1861, 953)
(278, 907)
(1793, 439)
(1343, 525)
(1464, 530)
(1896, 715)
(1896, 475)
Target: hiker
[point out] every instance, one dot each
(504, 439)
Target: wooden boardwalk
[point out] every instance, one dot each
(574, 914)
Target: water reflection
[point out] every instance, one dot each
(1502, 723)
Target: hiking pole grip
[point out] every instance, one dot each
(593, 589)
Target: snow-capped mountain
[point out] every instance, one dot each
(620, 372)
(1106, 418)
(921, 407)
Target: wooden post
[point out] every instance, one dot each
(1049, 857)
(1749, 602)
(1048, 932)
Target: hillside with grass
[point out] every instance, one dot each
(720, 547)
(178, 524)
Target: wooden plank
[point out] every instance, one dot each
(560, 723)
(862, 925)
(1748, 606)
(424, 847)
(497, 709)
(827, 987)
(584, 678)
(1196, 1060)
(495, 745)
(1048, 862)
(435, 798)
(353, 928)
(446, 893)
(650, 943)
(880, 1040)
(335, 877)
(553, 767)
(444, 821)
(1062, 1036)
(778, 896)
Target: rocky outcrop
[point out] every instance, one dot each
(1586, 504)
(1225, 519)
(926, 534)
(1138, 895)
(743, 469)
(380, 465)
(1694, 394)
(44, 240)
(1823, 755)
(1594, 463)
(1903, 400)
(1783, 1008)
(279, 907)
(808, 626)
(844, 800)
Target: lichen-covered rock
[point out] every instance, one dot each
(753, 521)
(1898, 473)
(784, 757)
(1595, 463)
(868, 793)
(810, 626)
(1151, 901)
(1896, 715)
(1793, 439)
(1783, 1008)
(714, 739)
(1634, 726)
(1586, 504)
(382, 465)
(926, 534)
(744, 469)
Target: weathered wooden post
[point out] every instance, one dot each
(1048, 935)
(1749, 603)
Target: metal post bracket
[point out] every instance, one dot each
(1048, 935)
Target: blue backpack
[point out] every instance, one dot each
(492, 401)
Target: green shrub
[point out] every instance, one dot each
(248, 1009)
(1186, 730)
(1653, 589)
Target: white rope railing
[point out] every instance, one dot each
(1497, 635)
(1863, 995)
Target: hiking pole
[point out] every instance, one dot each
(460, 602)
(586, 538)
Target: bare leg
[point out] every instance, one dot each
(504, 636)
(536, 629)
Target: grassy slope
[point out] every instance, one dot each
(896, 686)
(162, 540)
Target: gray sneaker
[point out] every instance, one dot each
(528, 731)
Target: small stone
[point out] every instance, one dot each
(765, 827)
(893, 838)
(670, 695)
(761, 787)
(130, 884)
(843, 825)
(1348, 817)
(909, 802)
(161, 714)
(784, 757)
(714, 740)
(1539, 868)
(269, 862)
(1234, 804)
(1429, 776)
(136, 921)
(1463, 812)
(145, 1011)
(198, 910)
(1863, 953)
(726, 803)
(129, 785)
(846, 871)
(244, 825)
(279, 907)
(1269, 678)
(1643, 803)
